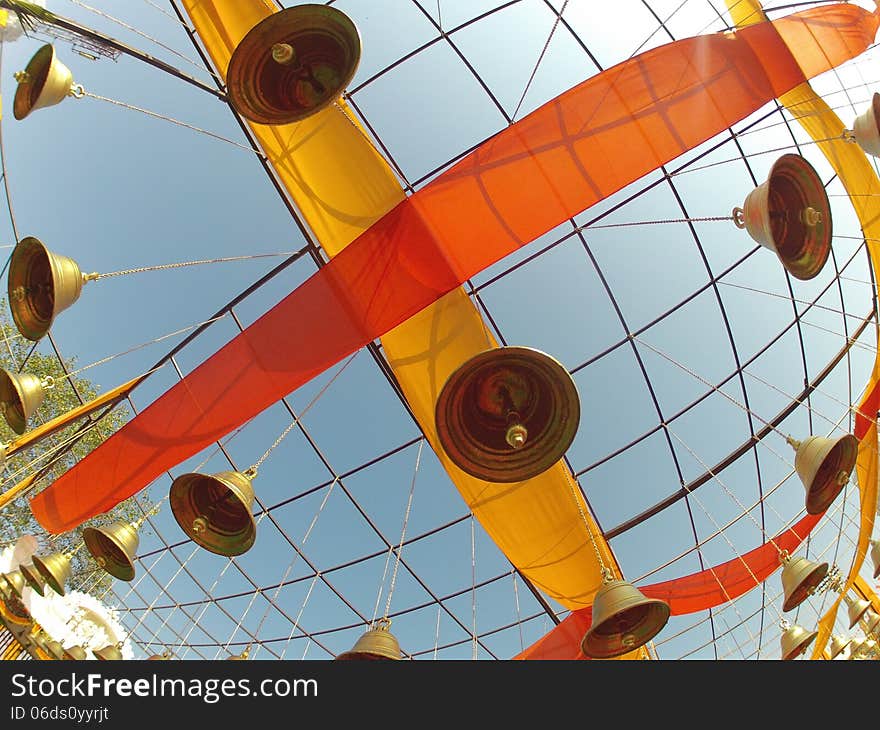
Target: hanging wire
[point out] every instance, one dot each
(473, 588)
(182, 264)
(82, 92)
(538, 62)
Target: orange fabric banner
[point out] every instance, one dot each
(689, 594)
(575, 150)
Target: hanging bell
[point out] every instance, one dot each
(240, 657)
(113, 547)
(824, 466)
(875, 557)
(866, 130)
(838, 644)
(111, 652)
(856, 609)
(292, 64)
(54, 649)
(789, 213)
(376, 644)
(33, 578)
(623, 620)
(15, 583)
(870, 622)
(75, 652)
(40, 285)
(20, 396)
(45, 81)
(164, 655)
(800, 577)
(507, 414)
(55, 569)
(215, 510)
(795, 640)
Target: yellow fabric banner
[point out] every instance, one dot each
(863, 187)
(341, 185)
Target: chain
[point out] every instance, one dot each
(606, 574)
(181, 264)
(704, 219)
(296, 420)
(81, 92)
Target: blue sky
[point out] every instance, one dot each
(114, 189)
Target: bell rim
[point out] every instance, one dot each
(31, 579)
(787, 164)
(234, 74)
(181, 487)
(13, 415)
(92, 536)
(23, 104)
(456, 443)
(801, 647)
(13, 278)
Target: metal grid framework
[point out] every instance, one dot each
(456, 595)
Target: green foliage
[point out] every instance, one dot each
(48, 455)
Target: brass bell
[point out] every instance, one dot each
(113, 547)
(164, 655)
(824, 466)
(293, 64)
(20, 396)
(789, 213)
(871, 622)
(54, 649)
(866, 131)
(215, 510)
(623, 620)
(45, 81)
(33, 578)
(838, 644)
(875, 557)
(240, 657)
(55, 569)
(856, 608)
(40, 285)
(12, 610)
(800, 577)
(378, 643)
(507, 414)
(111, 652)
(75, 652)
(15, 583)
(795, 640)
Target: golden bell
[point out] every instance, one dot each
(33, 578)
(44, 82)
(20, 396)
(239, 657)
(875, 557)
(856, 649)
(113, 547)
(75, 652)
(623, 620)
(16, 582)
(789, 213)
(215, 510)
(12, 610)
(870, 622)
(507, 414)
(292, 64)
(800, 577)
(824, 466)
(110, 652)
(376, 644)
(40, 285)
(866, 131)
(54, 649)
(856, 608)
(795, 641)
(55, 569)
(164, 655)
(838, 644)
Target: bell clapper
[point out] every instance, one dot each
(811, 217)
(283, 53)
